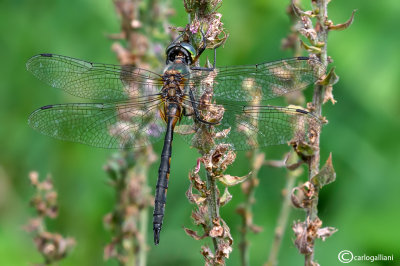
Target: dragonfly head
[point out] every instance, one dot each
(182, 50)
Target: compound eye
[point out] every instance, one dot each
(190, 49)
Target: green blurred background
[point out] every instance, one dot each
(362, 134)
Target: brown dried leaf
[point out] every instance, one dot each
(301, 242)
(227, 232)
(225, 198)
(194, 198)
(222, 157)
(196, 181)
(199, 217)
(302, 196)
(229, 180)
(216, 231)
(342, 26)
(326, 232)
(328, 95)
(225, 249)
(208, 255)
(297, 198)
(194, 234)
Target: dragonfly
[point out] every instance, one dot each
(134, 107)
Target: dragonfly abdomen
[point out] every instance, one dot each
(172, 117)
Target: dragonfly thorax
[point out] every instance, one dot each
(173, 85)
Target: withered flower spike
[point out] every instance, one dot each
(52, 246)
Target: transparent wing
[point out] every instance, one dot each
(107, 125)
(94, 81)
(267, 80)
(248, 127)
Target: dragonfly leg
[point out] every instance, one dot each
(206, 122)
(195, 114)
(200, 51)
(196, 111)
(185, 111)
(195, 68)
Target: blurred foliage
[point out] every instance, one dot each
(362, 133)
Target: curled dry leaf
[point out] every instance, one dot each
(310, 48)
(194, 198)
(208, 255)
(301, 242)
(229, 180)
(194, 234)
(225, 250)
(328, 95)
(199, 216)
(196, 181)
(342, 26)
(305, 233)
(326, 175)
(216, 231)
(225, 198)
(326, 232)
(302, 196)
(220, 158)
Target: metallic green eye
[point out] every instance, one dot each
(184, 48)
(190, 49)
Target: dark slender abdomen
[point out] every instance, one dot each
(162, 182)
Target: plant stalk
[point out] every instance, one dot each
(314, 161)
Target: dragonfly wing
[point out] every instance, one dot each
(263, 81)
(248, 127)
(260, 126)
(94, 81)
(108, 125)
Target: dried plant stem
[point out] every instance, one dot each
(204, 30)
(314, 161)
(245, 209)
(143, 29)
(212, 200)
(306, 196)
(283, 217)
